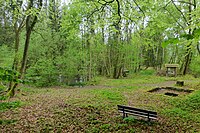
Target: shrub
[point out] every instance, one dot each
(194, 66)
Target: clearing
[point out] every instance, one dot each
(94, 108)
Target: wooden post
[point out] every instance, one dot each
(180, 83)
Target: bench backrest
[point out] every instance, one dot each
(142, 112)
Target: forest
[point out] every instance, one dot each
(65, 65)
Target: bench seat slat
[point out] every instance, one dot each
(146, 116)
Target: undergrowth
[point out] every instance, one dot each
(9, 105)
(187, 108)
(88, 109)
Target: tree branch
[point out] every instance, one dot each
(40, 35)
(118, 11)
(165, 5)
(22, 24)
(180, 12)
(104, 3)
(180, 1)
(175, 20)
(139, 7)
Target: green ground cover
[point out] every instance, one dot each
(94, 108)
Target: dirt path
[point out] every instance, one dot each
(162, 84)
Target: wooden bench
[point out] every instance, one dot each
(137, 112)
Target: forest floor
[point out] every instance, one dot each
(94, 108)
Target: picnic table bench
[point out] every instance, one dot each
(137, 112)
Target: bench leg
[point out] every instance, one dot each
(123, 114)
(149, 118)
(126, 115)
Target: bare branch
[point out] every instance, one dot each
(175, 20)
(107, 2)
(139, 7)
(118, 11)
(180, 12)
(180, 1)
(129, 18)
(22, 24)
(104, 3)
(165, 5)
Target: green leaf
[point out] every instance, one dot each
(170, 41)
(187, 36)
(196, 33)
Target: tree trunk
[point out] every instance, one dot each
(188, 56)
(16, 58)
(29, 27)
(25, 54)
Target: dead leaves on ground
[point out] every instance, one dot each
(63, 110)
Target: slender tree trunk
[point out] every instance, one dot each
(25, 54)
(188, 56)
(15, 65)
(116, 53)
(198, 48)
(30, 23)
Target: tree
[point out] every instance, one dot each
(183, 31)
(31, 20)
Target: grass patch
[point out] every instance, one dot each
(182, 115)
(177, 112)
(34, 90)
(2, 97)
(195, 84)
(7, 122)
(108, 95)
(186, 108)
(130, 119)
(191, 103)
(147, 72)
(9, 105)
(136, 79)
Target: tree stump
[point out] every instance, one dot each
(180, 83)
